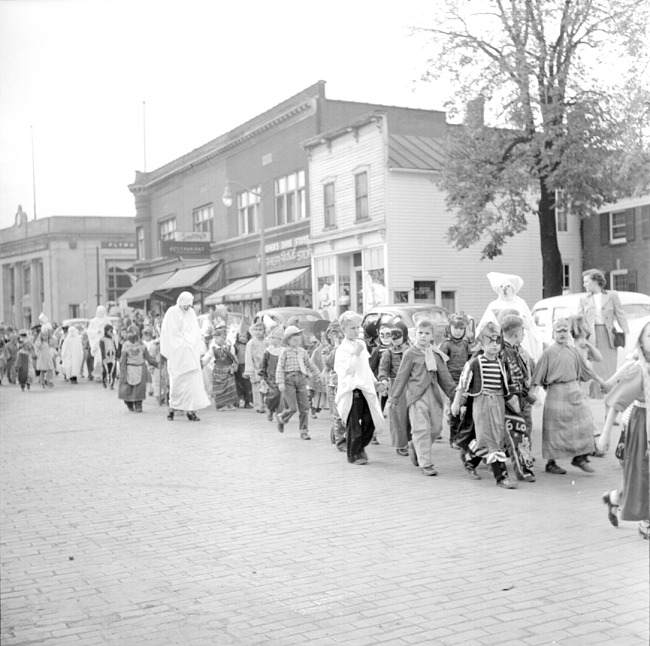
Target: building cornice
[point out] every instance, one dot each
(146, 181)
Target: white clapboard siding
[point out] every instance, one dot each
(338, 162)
(417, 224)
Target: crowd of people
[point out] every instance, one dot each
(486, 381)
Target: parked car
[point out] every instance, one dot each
(635, 305)
(281, 315)
(410, 314)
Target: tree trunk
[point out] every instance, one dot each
(551, 258)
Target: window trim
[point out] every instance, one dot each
(242, 216)
(612, 239)
(207, 208)
(298, 195)
(329, 223)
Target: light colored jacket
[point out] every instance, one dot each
(611, 309)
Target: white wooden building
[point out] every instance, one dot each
(379, 225)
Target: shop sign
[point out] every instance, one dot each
(192, 236)
(118, 244)
(288, 252)
(187, 249)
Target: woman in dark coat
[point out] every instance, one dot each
(133, 370)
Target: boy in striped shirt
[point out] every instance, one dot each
(484, 382)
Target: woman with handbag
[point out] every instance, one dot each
(601, 309)
(631, 393)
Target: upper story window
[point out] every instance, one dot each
(290, 202)
(329, 208)
(361, 195)
(202, 219)
(139, 240)
(618, 227)
(166, 230)
(248, 207)
(118, 282)
(561, 213)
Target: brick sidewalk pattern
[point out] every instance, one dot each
(123, 528)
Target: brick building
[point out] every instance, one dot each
(617, 241)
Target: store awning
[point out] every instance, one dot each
(219, 296)
(144, 288)
(188, 277)
(253, 289)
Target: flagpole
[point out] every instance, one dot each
(31, 129)
(144, 136)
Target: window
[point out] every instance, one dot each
(566, 276)
(74, 311)
(329, 212)
(645, 221)
(166, 230)
(290, 203)
(139, 241)
(448, 300)
(118, 281)
(400, 297)
(361, 195)
(618, 226)
(41, 283)
(202, 219)
(561, 213)
(248, 206)
(424, 291)
(618, 279)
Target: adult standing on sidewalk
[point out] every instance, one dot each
(181, 344)
(95, 332)
(600, 308)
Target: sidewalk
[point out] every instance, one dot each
(127, 529)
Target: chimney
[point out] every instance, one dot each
(475, 112)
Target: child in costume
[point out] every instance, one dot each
(255, 349)
(132, 389)
(108, 351)
(291, 376)
(272, 394)
(423, 374)
(399, 425)
(485, 382)
(356, 396)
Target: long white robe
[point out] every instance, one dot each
(354, 372)
(182, 345)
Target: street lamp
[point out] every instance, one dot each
(227, 200)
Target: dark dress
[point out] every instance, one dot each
(628, 396)
(133, 372)
(224, 389)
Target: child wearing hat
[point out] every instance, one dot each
(294, 366)
(272, 394)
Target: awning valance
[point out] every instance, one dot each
(144, 288)
(253, 289)
(188, 277)
(219, 296)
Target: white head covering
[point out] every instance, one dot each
(186, 298)
(499, 280)
(96, 328)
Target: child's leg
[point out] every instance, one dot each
(337, 430)
(302, 398)
(360, 428)
(290, 399)
(398, 423)
(421, 433)
(104, 374)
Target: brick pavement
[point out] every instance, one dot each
(127, 529)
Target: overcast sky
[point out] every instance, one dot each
(74, 75)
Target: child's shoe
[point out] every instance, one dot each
(429, 471)
(304, 435)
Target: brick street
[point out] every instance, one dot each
(119, 528)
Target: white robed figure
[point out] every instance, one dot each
(507, 286)
(182, 345)
(95, 333)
